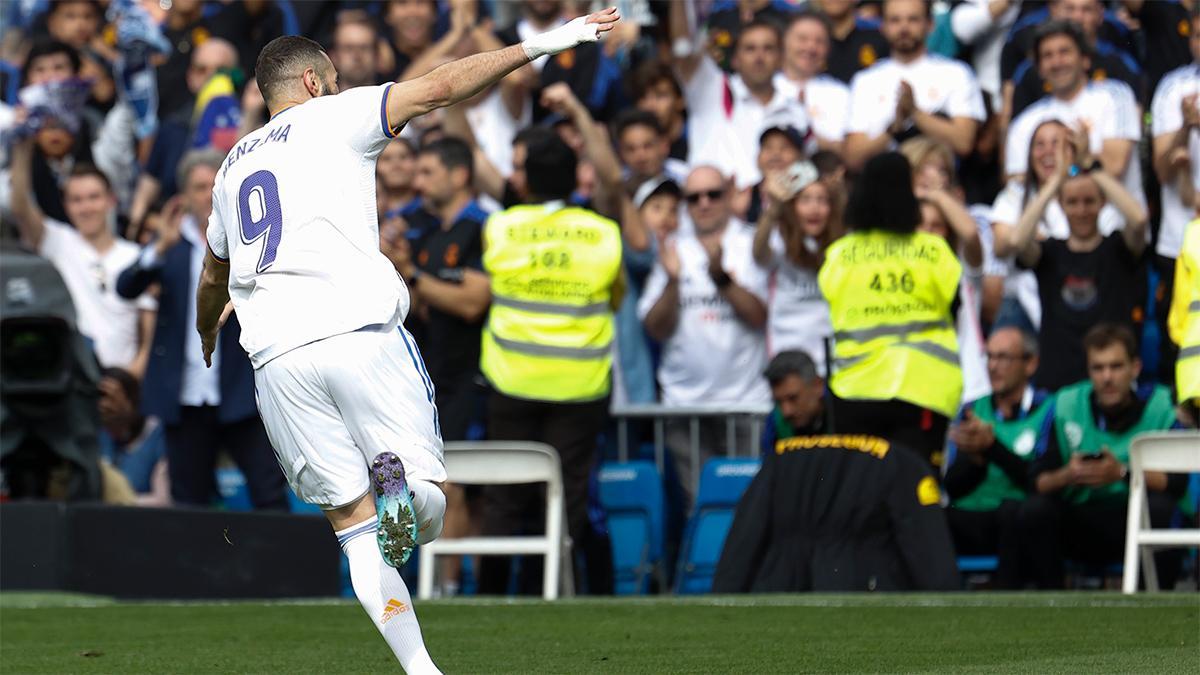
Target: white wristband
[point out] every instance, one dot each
(571, 34)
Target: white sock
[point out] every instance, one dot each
(429, 502)
(385, 598)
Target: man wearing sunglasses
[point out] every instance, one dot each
(705, 302)
(990, 446)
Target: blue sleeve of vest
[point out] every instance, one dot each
(767, 445)
(1030, 19)
(1109, 49)
(951, 446)
(1022, 68)
(1130, 62)
(1046, 433)
(1046, 452)
(1113, 21)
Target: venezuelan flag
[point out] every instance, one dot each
(217, 114)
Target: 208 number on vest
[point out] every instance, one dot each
(550, 259)
(259, 213)
(890, 282)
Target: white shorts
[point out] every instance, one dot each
(331, 406)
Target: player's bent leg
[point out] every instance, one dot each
(429, 503)
(397, 534)
(379, 588)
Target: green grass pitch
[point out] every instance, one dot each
(979, 632)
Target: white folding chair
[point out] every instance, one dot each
(1170, 452)
(504, 463)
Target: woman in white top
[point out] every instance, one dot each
(1017, 201)
(943, 213)
(801, 219)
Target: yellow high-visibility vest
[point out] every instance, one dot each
(889, 300)
(549, 331)
(1183, 321)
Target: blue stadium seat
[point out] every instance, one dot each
(235, 496)
(632, 495)
(721, 486)
(297, 505)
(977, 563)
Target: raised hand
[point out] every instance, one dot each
(1064, 156)
(1191, 112)
(1180, 158)
(668, 256)
(778, 187)
(574, 33)
(1080, 140)
(558, 98)
(906, 105)
(605, 20)
(463, 15)
(170, 230)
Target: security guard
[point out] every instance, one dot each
(896, 369)
(547, 347)
(1184, 321)
(841, 512)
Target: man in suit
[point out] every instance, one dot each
(205, 410)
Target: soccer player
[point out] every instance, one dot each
(293, 240)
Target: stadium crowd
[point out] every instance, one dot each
(1053, 146)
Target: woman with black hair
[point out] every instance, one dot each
(890, 289)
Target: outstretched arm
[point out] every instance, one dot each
(459, 80)
(31, 222)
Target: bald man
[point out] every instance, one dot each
(175, 132)
(706, 302)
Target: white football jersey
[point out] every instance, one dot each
(294, 215)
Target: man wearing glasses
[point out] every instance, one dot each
(990, 446)
(705, 302)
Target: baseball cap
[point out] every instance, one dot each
(659, 185)
(789, 132)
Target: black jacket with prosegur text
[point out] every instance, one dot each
(838, 513)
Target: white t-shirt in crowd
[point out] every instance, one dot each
(91, 277)
(712, 357)
(826, 101)
(971, 337)
(725, 122)
(973, 24)
(939, 85)
(495, 127)
(1007, 209)
(972, 354)
(1167, 118)
(1110, 110)
(294, 211)
(797, 313)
